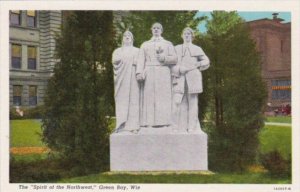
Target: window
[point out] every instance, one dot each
(17, 95)
(31, 53)
(281, 89)
(32, 95)
(16, 53)
(31, 18)
(15, 17)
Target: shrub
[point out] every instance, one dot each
(28, 113)
(276, 164)
(32, 172)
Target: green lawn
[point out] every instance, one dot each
(279, 119)
(25, 133)
(276, 137)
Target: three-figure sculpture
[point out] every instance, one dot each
(157, 86)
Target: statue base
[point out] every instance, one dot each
(157, 150)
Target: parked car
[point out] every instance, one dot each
(284, 110)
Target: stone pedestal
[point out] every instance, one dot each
(158, 151)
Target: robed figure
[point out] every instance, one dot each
(126, 85)
(156, 57)
(188, 83)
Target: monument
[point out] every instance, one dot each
(160, 85)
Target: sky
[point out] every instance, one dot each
(248, 16)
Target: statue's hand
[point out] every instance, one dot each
(139, 77)
(117, 61)
(183, 69)
(160, 58)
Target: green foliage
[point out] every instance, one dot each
(32, 171)
(28, 113)
(35, 157)
(222, 22)
(234, 93)
(80, 94)
(173, 22)
(276, 164)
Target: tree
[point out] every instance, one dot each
(76, 100)
(234, 92)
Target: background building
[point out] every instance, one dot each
(273, 41)
(32, 44)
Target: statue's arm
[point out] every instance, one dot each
(175, 69)
(203, 63)
(135, 58)
(116, 57)
(171, 57)
(140, 63)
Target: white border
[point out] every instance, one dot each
(292, 6)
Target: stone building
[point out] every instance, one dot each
(32, 44)
(273, 41)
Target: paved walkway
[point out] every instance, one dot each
(279, 124)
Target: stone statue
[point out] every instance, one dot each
(188, 83)
(163, 82)
(156, 57)
(126, 85)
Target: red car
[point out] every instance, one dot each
(284, 110)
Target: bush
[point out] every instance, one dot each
(28, 113)
(276, 164)
(32, 172)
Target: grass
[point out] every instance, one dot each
(279, 119)
(276, 138)
(25, 133)
(244, 178)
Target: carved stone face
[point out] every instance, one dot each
(187, 36)
(156, 30)
(127, 38)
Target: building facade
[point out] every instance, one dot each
(273, 41)
(32, 45)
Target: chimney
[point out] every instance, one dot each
(275, 18)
